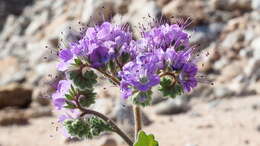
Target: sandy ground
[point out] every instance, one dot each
(228, 122)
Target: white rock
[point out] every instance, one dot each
(231, 39)
(44, 69)
(172, 106)
(95, 11)
(139, 12)
(221, 92)
(231, 4)
(11, 71)
(256, 46)
(7, 30)
(257, 87)
(16, 46)
(252, 69)
(107, 142)
(256, 4)
(221, 63)
(62, 31)
(36, 52)
(38, 22)
(103, 105)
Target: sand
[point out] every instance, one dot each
(227, 122)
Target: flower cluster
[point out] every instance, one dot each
(162, 56)
(140, 73)
(163, 50)
(99, 45)
(166, 36)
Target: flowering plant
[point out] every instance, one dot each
(162, 56)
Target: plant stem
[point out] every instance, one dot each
(138, 120)
(169, 74)
(109, 76)
(119, 65)
(110, 122)
(105, 118)
(114, 79)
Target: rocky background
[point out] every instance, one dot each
(228, 32)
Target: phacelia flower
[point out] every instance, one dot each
(187, 76)
(181, 62)
(58, 98)
(102, 43)
(139, 74)
(176, 60)
(66, 59)
(126, 89)
(166, 36)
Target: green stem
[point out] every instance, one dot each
(111, 77)
(138, 120)
(116, 129)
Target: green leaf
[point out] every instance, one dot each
(145, 140)
(70, 105)
(112, 66)
(88, 97)
(83, 80)
(169, 89)
(78, 128)
(180, 48)
(142, 98)
(73, 90)
(124, 58)
(69, 96)
(98, 126)
(77, 61)
(86, 128)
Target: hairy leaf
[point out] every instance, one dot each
(78, 128)
(83, 80)
(169, 89)
(70, 105)
(145, 140)
(142, 98)
(98, 126)
(86, 128)
(88, 97)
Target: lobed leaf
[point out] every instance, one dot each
(142, 98)
(83, 80)
(88, 97)
(169, 89)
(98, 126)
(145, 140)
(86, 128)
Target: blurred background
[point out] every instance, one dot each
(221, 112)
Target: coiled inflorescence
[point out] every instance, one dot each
(162, 56)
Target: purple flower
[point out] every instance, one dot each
(66, 58)
(139, 74)
(58, 98)
(102, 43)
(99, 56)
(187, 76)
(177, 59)
(181, 62)
(152, 60)
(69, 114)
(166, 36)
(126, 89)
